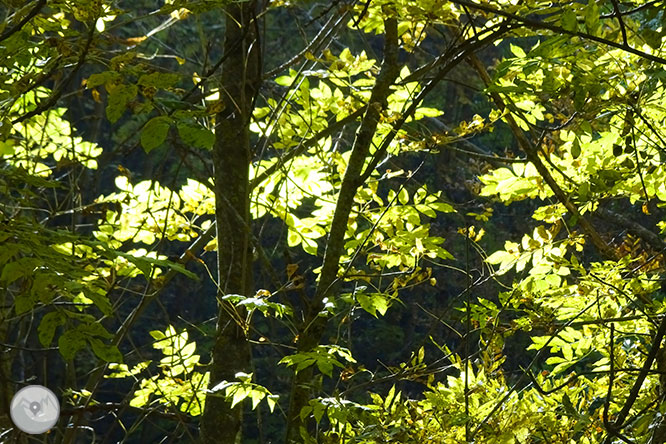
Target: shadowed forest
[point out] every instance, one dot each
(343, 221)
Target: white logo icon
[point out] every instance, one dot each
(34, 409)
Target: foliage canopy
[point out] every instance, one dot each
(382, 221)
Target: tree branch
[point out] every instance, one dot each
(53, 98)
(533, 157)
(451, 59)
(636, 388)
(532, 23)
(314, 324)
(17, 27)
(635, 228)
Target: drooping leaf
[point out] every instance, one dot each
(154, 132)
(569, 20)
(119, 97)
(70, 342)
(48, 325)
(195, 135)
(106, 352)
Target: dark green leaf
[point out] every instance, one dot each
(159, 80)
(103, 78)
(47, 327)
(154, 132)
(575, 149)
(71, 342)
(105, 352)
(101, 301)
(592, 17)
(24, 302)
(119, 97)
(12, 271)
(94, 329)
(652, 38)
(569, 20)
(196, 135)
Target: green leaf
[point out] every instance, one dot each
(256, 396)
(162, 80)
(592, 17)
(71, 342)
(157, 335)
(575, 149)
(48, 325)
(94, 329)
(442, 207)
(325, 366)
(652, 38)
(6, 147)
(517, 51)
(373, 303)
(12, 271)
(106, 352)
(403, 196)
(196, 135)
(24, 302)
(143, 264)
(498, 257)
(285, 80)
(318, 410)
(154, 132)
(103, 78)
(119, 97)
(141, 397)
(239, 394)
(569, 407)
(271, 400)
(101, 301)
(569, 20)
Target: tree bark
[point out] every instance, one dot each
(314, 323)
(241, 75)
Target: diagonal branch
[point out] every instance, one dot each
(451, 59)
(17, 27)
(314, 325)
(636, 388)
(353, 175)
(53, 98)
(533, 157)
(536, 24)
(635, 228)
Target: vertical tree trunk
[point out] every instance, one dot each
(314, 324)
(6, 359)
(231, 155)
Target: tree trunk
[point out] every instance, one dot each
(314, 324)
(6, 359)
(231, 156)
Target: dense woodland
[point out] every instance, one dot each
(344, 221)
